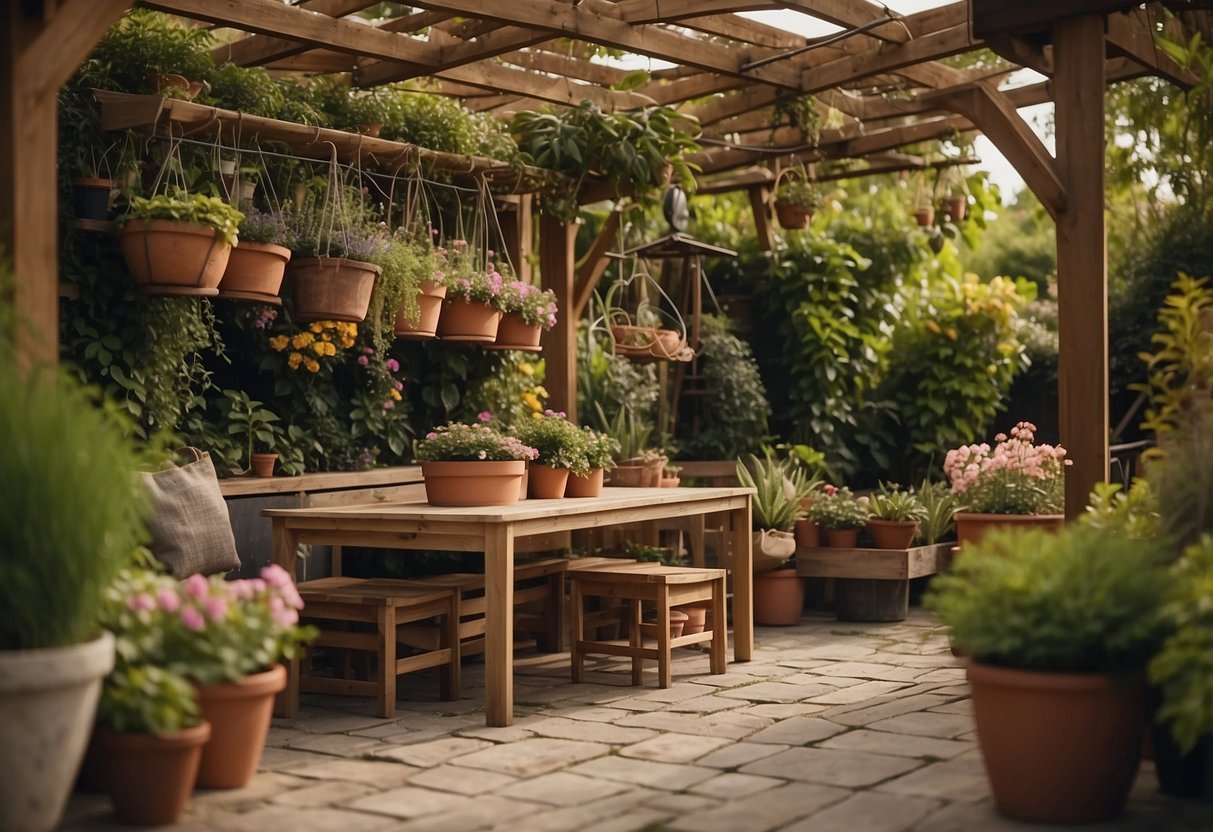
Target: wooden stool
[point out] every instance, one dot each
(384, 603)
(667, 586)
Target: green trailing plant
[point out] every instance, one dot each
(889, 502)
(776, 501)
(838, 508)
(797, 189)
(406, 260)
(940, 506)
(246, 89)
(1079, 600)
(196, 209)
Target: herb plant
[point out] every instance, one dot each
(208, 211)
(889, 502)
(838, 508)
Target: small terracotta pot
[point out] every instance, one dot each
(546, 482)
(670, 482)
(473, 483)
(955, 208)
(842, 538)
(971, 527)
(174, 258)
(332, 288)
(697, 617)
(892, 534)
(263, 464)
(429, 300)
(678, 622)
(164, 82)
(587, 486)
(150, 777)
(792, 217)
(465, 321)
(239, 713)
(925, 217)
(513, 334)
(778, 598)
(808, 534)
(254, 272)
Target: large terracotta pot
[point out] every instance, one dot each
(465, 321)
(971, 527)
(513, 334)
(150, 777)
(892, 534)
(1058, 747)
(587, 486)
(473, 483)
(778, 598)
(255, 272)
(332, 288)
(47, 701)
(239, 714)
(430, 302)
(174, 258)
(546, 483)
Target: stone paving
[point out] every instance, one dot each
(833, 726)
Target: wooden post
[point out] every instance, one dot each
(557, 244)
(516, 229)
(1082, 267)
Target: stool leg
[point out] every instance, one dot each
(450, 681)
(576, 630)
(553, 625)
(664, 676)
(720, 631)
(387, 661)
(287, 702)
(635, 640)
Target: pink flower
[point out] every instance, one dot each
(192, 619)
(829, 490)
(275, 576)
(389, 405)
(484, 416)
(169, 600)
(196, 586)
(399, 385)
(216, 608)
(393, 365)
(363, 360)
(141, 602)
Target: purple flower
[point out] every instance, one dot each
(399, 385)
(393, 365)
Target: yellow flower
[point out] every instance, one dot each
(951, 333)
(316, 327)
(318, 347)
(326, 336)
(395, 394)
(278, 343)
(312, 365)
(294, 360)
(526, 368)
(531, 401)
(330, 349)
(540, 390)
(302, 340)
(934, 327)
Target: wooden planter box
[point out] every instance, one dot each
(872, 584)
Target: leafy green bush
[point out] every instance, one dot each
(1081, 600)
(1182, 481)
(559, 442)
(147, 699)
(731, 416)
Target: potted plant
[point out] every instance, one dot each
(1017, 483)
(93, 192)
(955, 207)
(256, 425)
(560, 447)
(177, 244)
(333, 270)
(796, 199)
(924, 215)
(421, 290)
(840, 514)
(774, 509)
(70, 466)
(1058, 627)
(470, 313)
(638, 465)
(472, 465)
(258, 261)
(939, 507)
(600, 449)
(894, 518)
(529, 312)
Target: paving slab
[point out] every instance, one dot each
(531, 757)
(560, 788)
(832, 767)
(653, 775)
(673, 748)
(769, 809)
(433, 753)
(898, 745)
(868, 812)
(798, 730)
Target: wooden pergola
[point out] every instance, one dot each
(879, 83)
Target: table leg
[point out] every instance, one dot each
(499, 625)
(283, 549)
(743, 584)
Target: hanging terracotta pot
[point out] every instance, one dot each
(587, 486)
(473, 483)
(150, 777)
(263, 464)
(955, 207)
(842, 538)
(429, 300)
(545, 482)
(792, 217)
(514, 334)
(239, 714)
(925, 216)
(1058, 747)
(174, 258)
(971, 527)
(778, 598)
(92, 197)
(254, 272)
(892, 534)
(471, 322)
(332, 288)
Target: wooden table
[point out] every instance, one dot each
(493, 531)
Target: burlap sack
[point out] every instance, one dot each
(190, 527)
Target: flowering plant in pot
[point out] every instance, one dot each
(560, 451)
(471, 312)
(895, 515)
(840, 514)
(529, 311)
(1058, 628)
(600, 449)
(178, 244)
(335, 246)
(472, 465)
(257, 264)
(409, 295)
(1017, 482)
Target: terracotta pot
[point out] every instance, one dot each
(546, 482)
(430, 302)
(669, 482)
(892, 534)
(678, 621)
(792, 217)
(466, 321)
(925, 217)
(631, 476)
(239, 713)
(842, 538)
(174, 258)
(177, 85)
(91, 197)
(1058, 747)
(955, 207)
(254, 272)
(513, 334)
(371, 128)
(971, 527)
(772, 548)
(667, 344)
(697, 618)
(587, 486)
(150, 777)
(473, 483)
(808, 534)
(332, 288)
(778, 598)
(263, 464)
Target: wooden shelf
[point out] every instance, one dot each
(879, 564)
(96, 226)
